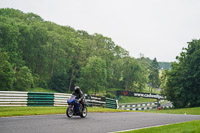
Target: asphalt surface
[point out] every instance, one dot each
(93, 123)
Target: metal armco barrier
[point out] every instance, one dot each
(111, 103)
(13, 98)
(40, 99)
(18, 98)
(92, 100)
(60, 99)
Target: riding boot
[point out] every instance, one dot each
(83, 105)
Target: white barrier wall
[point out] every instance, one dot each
(60, 99)
(20, 98)
(13, 98)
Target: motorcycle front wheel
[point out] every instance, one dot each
(84, 112)
(69, 112)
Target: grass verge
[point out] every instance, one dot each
(23, 111)
(41, 90)
(188, 111)
(186, 127)
(125, 99)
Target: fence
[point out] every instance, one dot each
(18, 98)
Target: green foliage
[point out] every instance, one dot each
(6, 73)
(36, 80)
(59, 83)
(164, 65)
(43, 84)
(24, 79)
(94, 74)
(132, 73)
(37, 89)
(60, 57)
(183, 86)
(154, 74)
(110, 95)
(163, 80)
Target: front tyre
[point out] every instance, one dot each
(69, 112)
(84, 112)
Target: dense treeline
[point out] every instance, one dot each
(38, 53)
(181, 85)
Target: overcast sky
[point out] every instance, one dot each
(155, 28)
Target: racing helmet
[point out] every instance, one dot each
(77, 89)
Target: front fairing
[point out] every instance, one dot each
(74, 104)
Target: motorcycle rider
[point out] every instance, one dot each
(79, 95)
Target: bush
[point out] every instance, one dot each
(43, 84)
(59, 83)
(110, 95)
(6, 73)
(24, 79)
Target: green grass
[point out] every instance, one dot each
(147, 90)
(23, 111)
(188, 111)
(126, 99)
(40, 90)
(186, 127)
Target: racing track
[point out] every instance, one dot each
(93, 123)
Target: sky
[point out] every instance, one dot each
(156, 28)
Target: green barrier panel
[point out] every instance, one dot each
(113, 107)
(40, 99)
(111, 103)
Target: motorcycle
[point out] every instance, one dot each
(75, 108)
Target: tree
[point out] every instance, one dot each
(183, 86)
(93, 75)
(115, 79)
(61, 56)
(143, 78)
(131, 72)
(154, 74)
(59, 82)
(24, 79)
(9, 38)
(6, 73)
(163, 80)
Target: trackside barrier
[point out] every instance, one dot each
(111, 103)
(60, 99)
(40, 99)
(19, 98)
(166, 107)
(140, 106)
(13, 98)
(144, 106)
(92, 100)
